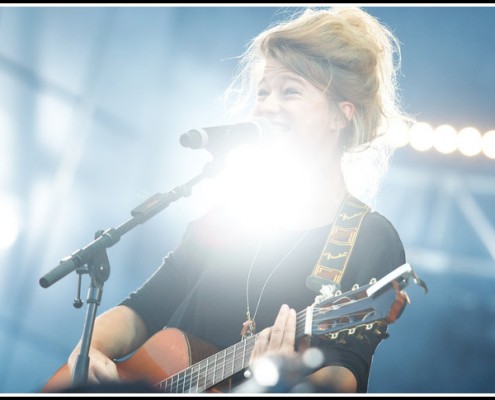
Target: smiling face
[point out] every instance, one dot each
(300, 110)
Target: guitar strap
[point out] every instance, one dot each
(338, 247)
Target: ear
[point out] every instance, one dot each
(347, 108)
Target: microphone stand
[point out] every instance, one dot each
(93, 259)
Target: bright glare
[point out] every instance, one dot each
(313, 358)
(469, 141)
(398, 133)
(266, 371)
(53, 119)
(488, 144)
(265, 184)
(6, 148)
(421, 136)
(445, 139)
(10, 222)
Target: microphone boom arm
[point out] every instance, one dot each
(108, 238)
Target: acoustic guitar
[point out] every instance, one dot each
(173, 361)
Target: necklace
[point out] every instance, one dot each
(249, 326)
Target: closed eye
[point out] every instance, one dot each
(291, 91)
(262, 93)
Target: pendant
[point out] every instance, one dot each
(248, 329)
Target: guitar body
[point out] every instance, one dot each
(166, 353)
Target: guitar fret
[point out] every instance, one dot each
(220, 367)
(180, 383)
(234, 363)
(229, 360)
(233, 359)
(206, 373)
(194, 370)
(200, 377)
(215, 368)
(223, 364)
(244, 352)
(173, 389)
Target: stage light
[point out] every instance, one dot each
(398, 134)
(469, 141)
(488, 144)
(445, 139)
(421, 136)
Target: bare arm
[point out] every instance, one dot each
(334, 379)
(117, 332)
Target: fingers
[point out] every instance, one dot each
(261, 345)
(101, 368)
(283, 332)
(280, 338)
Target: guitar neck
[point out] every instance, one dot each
(218, 367)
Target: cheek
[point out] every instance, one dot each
(317, 135)
(256, 110)
(315, 126)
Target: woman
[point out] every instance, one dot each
(325, 81)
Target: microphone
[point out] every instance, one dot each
(224, 137)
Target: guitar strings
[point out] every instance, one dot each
(215, 366)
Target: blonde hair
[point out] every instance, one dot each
(345, 52)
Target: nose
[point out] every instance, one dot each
(269, 104)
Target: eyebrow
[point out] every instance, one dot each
(290, 76)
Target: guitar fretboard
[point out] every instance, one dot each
(218, 367)
(211, 371)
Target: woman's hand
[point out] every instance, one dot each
(101, 368)
(279, 339)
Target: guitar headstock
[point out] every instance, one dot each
(365, 308)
